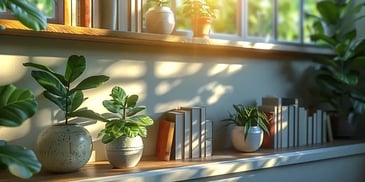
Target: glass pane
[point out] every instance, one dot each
(260, 16)
(225, 21)
(46, 6)
(309, 7)
(288, 20)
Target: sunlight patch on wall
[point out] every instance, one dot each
(11, 68)
(176, 69)
(227, 68)
(165, 86)
(215, 90)
(126, 69)
(176, 103)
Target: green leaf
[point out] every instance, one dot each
(111, 107)
(91, 82)
(21, 162)
(50, 83)
(141, 120)
(60, 77)
(59, 101)
(76, 99)
(135, 110)
(118, 94)
(16, 105)
(76, 65)
(329, 11)
(85, 113)
(132, 100)
(26, 13)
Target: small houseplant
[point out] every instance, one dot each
(159, 17)
(66, 147)
(17, 105)
(340, 76)
(124, 129)
(250, 123)
(201, 15)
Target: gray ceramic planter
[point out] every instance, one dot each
(124, 152)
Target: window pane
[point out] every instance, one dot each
(288, 20)
(309, 7)
(260, 16)
(46, 6)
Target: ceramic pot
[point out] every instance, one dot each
(124, 152)
(160, 20)
(253, 141)
(64, 148)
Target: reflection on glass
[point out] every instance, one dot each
(46, 6)
(288, 20)
(260, 16)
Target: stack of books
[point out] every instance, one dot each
(293, 125)
(184, 133)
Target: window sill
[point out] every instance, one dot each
(57, 31)
(221, 163)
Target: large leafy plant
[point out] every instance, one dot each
(60, 90)
(26, 13)
(17, 105)
(248, 116)
(122, 119)
(341, 84)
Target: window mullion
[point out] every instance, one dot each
(301, 21)
(242, 21)
(275, 19)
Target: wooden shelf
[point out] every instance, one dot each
(220, 163)
(57, 31)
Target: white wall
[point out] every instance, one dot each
(164, 77)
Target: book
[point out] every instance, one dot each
(302, 126)
(272, 107)
(85, 13)
(195, 130)
(324, 127)
(318, 123)
(186, 135)
(329, 129)
(292, 126)
(164, 140)
(284, 127)
(310, 130)
(208, 138)
(177, 118)
(202, 130)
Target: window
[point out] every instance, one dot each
(52, 9)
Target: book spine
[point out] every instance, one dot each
(178, 136)
(310, 130)
(291, 126)
(208, 138)
(202, 131)
(85, 13)
(195, 131)
(318, 127)
(284, 127)
(303, 126)
(324, 127)
(165, 140)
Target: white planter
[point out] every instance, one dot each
(160, 20)
(64, 148)
(251, 143)
(125, 152)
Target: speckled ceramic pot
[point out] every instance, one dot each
(253, 141)
(64, 148)
(124, 152)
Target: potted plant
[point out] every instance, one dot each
(66, 147)
(250, 124)
(339, 77)
(159, 17)
(124, 129)
(201, 15)
(16, 106)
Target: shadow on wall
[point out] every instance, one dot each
(163, 79)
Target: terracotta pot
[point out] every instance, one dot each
(64, 148)
(124, 152)
(253, 141)
(201, 26)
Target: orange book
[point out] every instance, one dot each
(85, 13)
(164, 140)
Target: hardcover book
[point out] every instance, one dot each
(164, 140)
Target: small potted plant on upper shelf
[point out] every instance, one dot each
(250, 125)
(66, 147)
(124, 129)
(201, 15)
(159, 17)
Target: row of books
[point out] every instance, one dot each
(293, 125)
(184, 133)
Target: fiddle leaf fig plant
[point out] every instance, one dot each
(17, 105)
(248, 116)
(122, 119)
(26, 13)
(60, 90)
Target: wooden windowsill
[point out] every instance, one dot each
(57, 31)
(221, 163)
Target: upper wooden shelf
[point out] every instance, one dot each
(57, 31)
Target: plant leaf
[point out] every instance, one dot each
(26, 13)
(329, 11)
(50, 83)
(91, 82)
(16, 105)
(76, 99)
(75, 67)
(58, 100)
(21, 162)
(132, 100)
(135, 110)
(86, 113)
(60, 77)
(142, 120)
